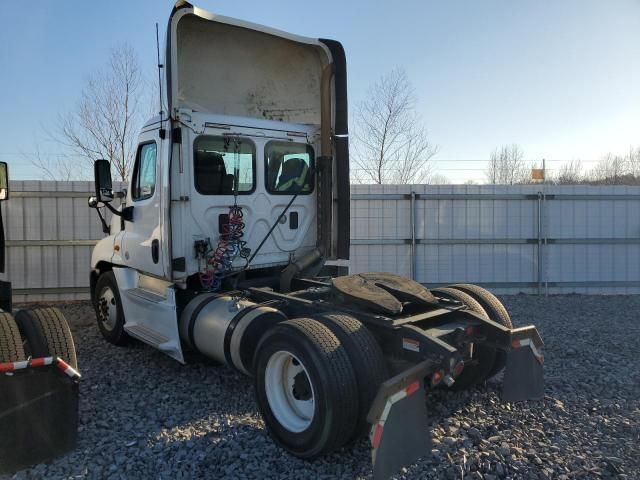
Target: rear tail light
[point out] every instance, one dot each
(457, 370)
(437, 377)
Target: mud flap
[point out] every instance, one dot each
(38, 412)
(399, 433)
(5, 296)
(523, 376)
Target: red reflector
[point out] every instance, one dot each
(62, 365)
(436, 378)
(412, 388)
(377, 436)
(37, 362)
(469, 330)
(457, 370)
(516, 344)
(6, 367)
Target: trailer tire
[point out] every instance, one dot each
(305, 387)
(366, 359)
(485, 356)
(496, 312)
(11, 348)
(109, 312)
(48, 334)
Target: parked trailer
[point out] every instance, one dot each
(238, 205)
(38, 377)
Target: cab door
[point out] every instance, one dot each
(142, 237)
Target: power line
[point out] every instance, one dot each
(22, 154)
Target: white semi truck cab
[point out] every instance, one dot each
(237, 202)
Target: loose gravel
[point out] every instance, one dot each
(143, 415)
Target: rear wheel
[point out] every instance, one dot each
(366, 358)
(48, 334)
(109, 311)
(11, 349)
(495, 311)
(483, 357)
(305, 387)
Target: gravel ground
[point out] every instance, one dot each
(143, 415)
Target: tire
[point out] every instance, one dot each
(11, 349)
(366, 358)
(485, 356)
(48, 334)
(305, 351)
(496, 312)
(109, 312)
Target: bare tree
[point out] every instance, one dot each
(507, 166)
(53, 166)
(633, 162)
(390, 142)
(437, 179)
(611, 170)
(570, 173)
(105, 122)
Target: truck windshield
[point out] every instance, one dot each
(217, 160)
(288, 167)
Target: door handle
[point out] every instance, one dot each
(155, 250)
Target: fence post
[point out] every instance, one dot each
(412, 222)
(539, 250)
(545, 244)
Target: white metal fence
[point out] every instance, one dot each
(50, 232)
(533, 239)
(510, 238)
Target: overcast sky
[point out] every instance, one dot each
(559, 78)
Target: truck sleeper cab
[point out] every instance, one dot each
(238, 201)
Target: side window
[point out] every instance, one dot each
(288, 167)
(218, 160)
(144, 178)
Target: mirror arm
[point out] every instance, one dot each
(105, 227)
(126, 213)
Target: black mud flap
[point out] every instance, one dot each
(523, 376)
(399, 433)
(38, 415)
(5, 296)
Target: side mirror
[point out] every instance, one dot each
(4, 181)
(93, 202)
(102, 178)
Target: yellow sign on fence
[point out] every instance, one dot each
(537, 174)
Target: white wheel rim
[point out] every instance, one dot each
(107, 309)
(289, 391)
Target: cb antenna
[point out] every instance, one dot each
(160, 67)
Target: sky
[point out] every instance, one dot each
(559, 78)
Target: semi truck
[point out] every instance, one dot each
(232, 234)
(38, 376)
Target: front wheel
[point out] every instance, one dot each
(109, 311)
(305, 388)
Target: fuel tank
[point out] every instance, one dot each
(226, 329)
